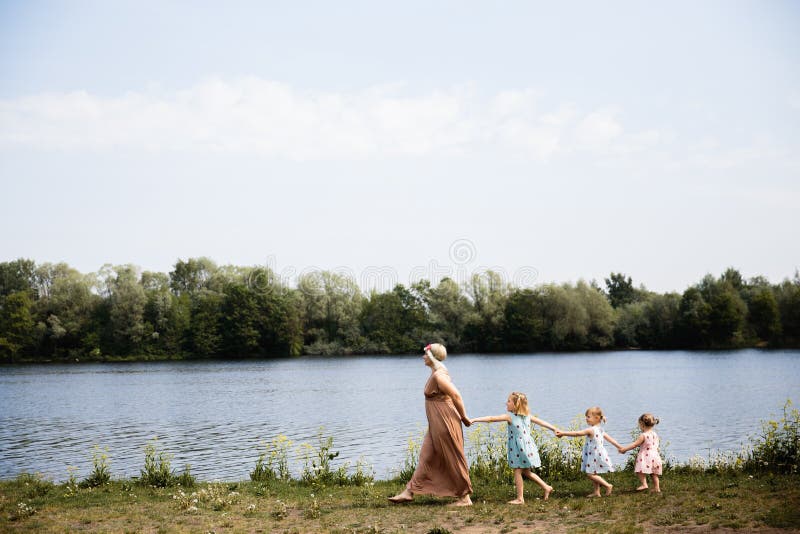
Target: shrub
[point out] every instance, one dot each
(777, 448)
(273, 463)
(101, 473)
(411, 459)
(158, 471)
(317, 468)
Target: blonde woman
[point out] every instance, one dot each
(523, 455)
(442, 469)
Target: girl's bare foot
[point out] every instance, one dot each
(547, 492)
(592, 495)
(655, 491)
(405, 496)
(641, 488)
(463, 501)
(609, 489)
(517, 501)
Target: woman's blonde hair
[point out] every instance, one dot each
(648, 420)
(520, 403)
(438, 353)
(596, 410)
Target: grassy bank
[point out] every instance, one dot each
(689, 501)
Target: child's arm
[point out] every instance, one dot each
(574, 433)
(543, 423)
(611, 440)
(505, 418)
(637, 443)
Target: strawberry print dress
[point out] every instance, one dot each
(649, 460)
(594, 457)
(522, 451)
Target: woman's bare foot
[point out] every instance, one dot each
(641, 488)
(609, 489)
(547, 492)
(463, 501)
(517, 501)
(405, 496)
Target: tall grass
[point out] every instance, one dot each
(158, 472)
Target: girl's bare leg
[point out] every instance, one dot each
(598, 481)
(533, 476)
(518, 486)
(642, 481)
(656, 483)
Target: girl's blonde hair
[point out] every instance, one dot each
(648, 420)
(596, 410)
(520, 403)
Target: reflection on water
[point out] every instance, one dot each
(214, 415)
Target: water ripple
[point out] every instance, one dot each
(216, 416)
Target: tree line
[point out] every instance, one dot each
(53, 312)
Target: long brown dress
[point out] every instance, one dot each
(442, 469)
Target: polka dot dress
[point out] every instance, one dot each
(522, 451)
(594, 457)
(649, 460)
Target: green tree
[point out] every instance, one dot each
(205, 332)
(632, 326)
(449, 313)
(727, 309)
(763, 314)
(525, 323)
(332, 307)
(17, 275)
(66, 306)
(489, 294)
(381, 321)
(126, 309)
(620, 290)
(693, 319)
(240, 318)
(788, 297)
(16, 324)
(192, 275)
(281, 323)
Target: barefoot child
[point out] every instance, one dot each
(594, 458)
(522, 452)
(648, 461)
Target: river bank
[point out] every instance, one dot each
(698, 502)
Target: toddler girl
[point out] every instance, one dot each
(648, 461)
(594, 458)
(522, 452)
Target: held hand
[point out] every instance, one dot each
(467, 421)
(559, 433)
(620, 450)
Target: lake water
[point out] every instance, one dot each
(214, 415)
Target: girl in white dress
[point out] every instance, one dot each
(594, 457)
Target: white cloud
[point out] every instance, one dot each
(252, 115)
(598, 130)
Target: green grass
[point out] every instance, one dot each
(701, 501)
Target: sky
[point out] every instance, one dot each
(392, 141)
